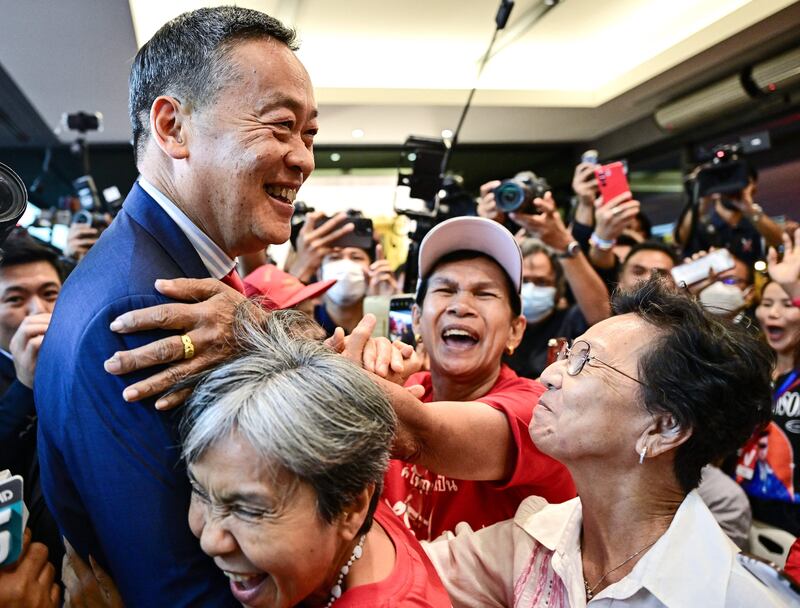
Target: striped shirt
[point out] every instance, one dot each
(214, 259)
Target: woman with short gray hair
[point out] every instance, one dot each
(286, 447)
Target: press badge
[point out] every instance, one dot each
(12, 518)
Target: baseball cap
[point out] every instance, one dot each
(474, 234)
(281, 288)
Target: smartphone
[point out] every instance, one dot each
(400, 325)
(719, 260)
(360, 236)
(378, 306)
(611, 180)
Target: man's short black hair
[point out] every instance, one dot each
(187, 58)
(532, 246)
(711, 375)
(469, 254)
(21, 248)
(653, 246)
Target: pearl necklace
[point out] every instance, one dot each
(336, 590)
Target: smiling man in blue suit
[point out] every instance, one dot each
(224, 118)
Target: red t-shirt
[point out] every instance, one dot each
(792, 567)
(413, 582)
(430, 504)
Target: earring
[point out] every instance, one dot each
(510, 350)
(418, 338)
(642, 455)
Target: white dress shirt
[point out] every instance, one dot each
(534, 561)
(214, 259)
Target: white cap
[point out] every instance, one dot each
(474, 234)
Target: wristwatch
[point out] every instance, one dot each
(572, 250)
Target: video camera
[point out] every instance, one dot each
(516, 195)
(726, 173)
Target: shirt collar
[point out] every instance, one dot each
(214, 259)
(701, 579)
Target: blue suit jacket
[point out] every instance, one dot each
(111, 471)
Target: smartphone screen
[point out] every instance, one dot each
(611, 181)
(690, 273)
(400, 326)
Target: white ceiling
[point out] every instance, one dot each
(391, 68)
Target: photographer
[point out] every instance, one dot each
(356, 276)
(30, 282)
(606, 231)
(314, 241)
(735, 222)
(541, 271)
(80, 239)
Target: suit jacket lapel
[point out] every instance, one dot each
(154, 220)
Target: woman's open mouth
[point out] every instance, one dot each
(460, 338)
(246, 587)
(775, 333)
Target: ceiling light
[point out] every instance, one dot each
(412, 156)
(336, 157)
(447, 134)
(358, 133)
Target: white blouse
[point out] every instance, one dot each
(534, 561)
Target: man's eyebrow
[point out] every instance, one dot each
(279, 100)
(14, 288)
(445, 281)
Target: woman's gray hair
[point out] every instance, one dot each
(302, 407)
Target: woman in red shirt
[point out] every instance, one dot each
(467, 454)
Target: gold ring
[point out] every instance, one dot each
(188, 347)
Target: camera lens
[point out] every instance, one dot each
(13, 200)
(509, 196)
(6, 194)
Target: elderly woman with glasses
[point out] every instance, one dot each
(635, 408)
(287, 446)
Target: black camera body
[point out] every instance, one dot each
(516, 195)
(727, 173)
(92, 219)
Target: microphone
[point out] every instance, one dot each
(13, 517)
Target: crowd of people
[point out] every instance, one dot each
(568, 425)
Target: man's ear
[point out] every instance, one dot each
(354, 514)
(416, 316)
(662, 435)
(168, 127)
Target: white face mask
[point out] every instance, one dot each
(350, 286)
(537, 301)
(721, 299)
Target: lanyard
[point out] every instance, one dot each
(786, 386)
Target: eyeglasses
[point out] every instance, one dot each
(578, 355)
